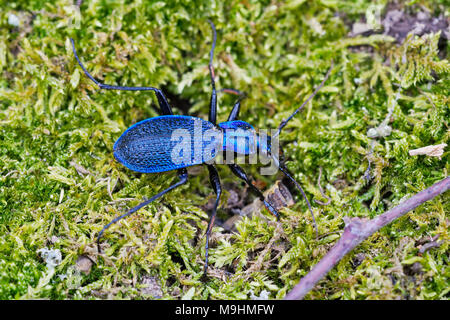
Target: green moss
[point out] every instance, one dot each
(60, 184)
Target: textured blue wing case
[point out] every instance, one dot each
(167, 143)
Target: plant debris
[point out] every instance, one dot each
(431, 151)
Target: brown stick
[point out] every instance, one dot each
(357, 230)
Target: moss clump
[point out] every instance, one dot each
(60, 184)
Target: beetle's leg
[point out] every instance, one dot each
(240, 173)
(237, 106)
(213, 102)
(215, 182)
(162, 100)
(182, 175)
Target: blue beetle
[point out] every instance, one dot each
(148, 146)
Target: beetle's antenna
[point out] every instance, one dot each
(211, 54)
(287, 174)
(213, 103)
(284, 122)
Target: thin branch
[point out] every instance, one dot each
(356, 231)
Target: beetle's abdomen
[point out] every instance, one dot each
(239, 136)
(167, 143)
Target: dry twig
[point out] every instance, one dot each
(357, 230)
